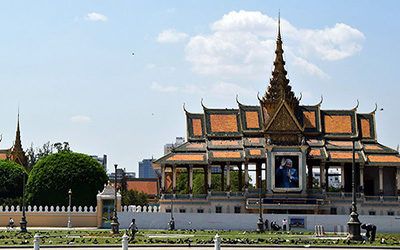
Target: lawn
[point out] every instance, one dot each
(192, 237)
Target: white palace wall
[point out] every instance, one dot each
(223, 221)
(150, 217)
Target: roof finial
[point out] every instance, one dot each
(320, 102)
(202, 104)
(279, 24)
(375, 109)
(356, 107)
(184, 108)
(258, 96)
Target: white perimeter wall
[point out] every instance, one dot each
(247, 221)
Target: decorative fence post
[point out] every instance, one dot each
(36, 242)
(125, 242)
(217, 242)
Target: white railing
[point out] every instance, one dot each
(140, 209)
(49, 209)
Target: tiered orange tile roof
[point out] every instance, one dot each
(337, 124)
(223, 123)
(147, 186)
(384, 158)
(365, 128)
(224, 143)
(186, 157)
(309, 119)
(197, 127)
(252, 119)
(315, 152)
(256, 152)
(226, 154)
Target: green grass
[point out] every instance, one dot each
(104, 237)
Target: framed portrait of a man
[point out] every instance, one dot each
(287, 172)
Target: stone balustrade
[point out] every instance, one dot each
(140, 209)
(49, 209)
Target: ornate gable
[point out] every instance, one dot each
(283, 121)
(284, 128)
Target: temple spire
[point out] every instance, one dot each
(17, 152)
(18, 143)
(279, 87)
(279, 25)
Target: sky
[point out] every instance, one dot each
(110, 77)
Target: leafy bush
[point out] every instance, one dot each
(11, 178)
(133, 197)
(52, 177)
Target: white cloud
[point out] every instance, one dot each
(226, 89)
(220, 89)
(308, 67)
(242, 43)
(81, 119)
(171, 36)
(334, 43)
(96, 17)
(163, 88)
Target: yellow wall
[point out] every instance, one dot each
(49, 219)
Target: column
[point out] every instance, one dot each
(190, 179)
(173, 179)
(380, 180)
(326, 178)
(222, 177)
(310, 175)
(228, 177)
(342, 176)
(258, 175)
(398, 181)
(162, 178)
(362, 179)
(209, 178)
(205, 171)
(246, 176)
(322, 178)
(240, 175)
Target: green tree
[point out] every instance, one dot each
(52, 176)
(133, 197)
(198, 182)
(35, 154)
(11, 179)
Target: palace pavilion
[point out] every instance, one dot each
(285, 144)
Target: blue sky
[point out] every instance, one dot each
(69, 66)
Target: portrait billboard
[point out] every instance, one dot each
(286, 172)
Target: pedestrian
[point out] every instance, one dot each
(266, 223)
(371, 231)
(133, 228)
(284, 225)
(11, 223)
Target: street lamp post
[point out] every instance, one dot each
(171, 223)
(23, 221)
(69, 225)
(354, 223)
(115, 223)
(260, 222)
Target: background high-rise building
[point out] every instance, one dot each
(120, 173)
(146, 169)
(101, 160)
(169, 146)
